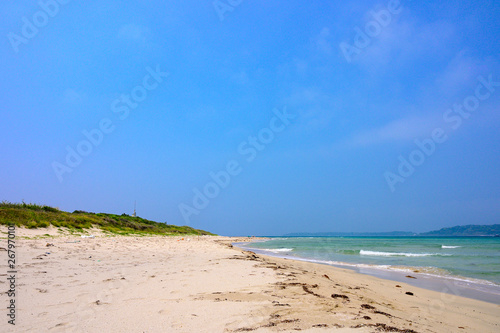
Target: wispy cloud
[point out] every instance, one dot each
(317, 108)
(406, 39)
(461, 73)
(400, 130)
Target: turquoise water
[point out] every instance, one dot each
(475, 259)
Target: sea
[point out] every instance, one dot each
(465, 266)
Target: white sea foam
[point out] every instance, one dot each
(394, 254)
(427, 271)
(449, 247)
(277, 250)
(423, 271)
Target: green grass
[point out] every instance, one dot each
(38, 216)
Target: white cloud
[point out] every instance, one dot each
(461, 73)
(406, 129)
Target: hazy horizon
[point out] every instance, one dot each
(255, 118)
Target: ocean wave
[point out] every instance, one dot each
(449, 247)
(428, 271)
(432, 272)
(349, 251)
(424, 271)
(277, 250)
(396, 254)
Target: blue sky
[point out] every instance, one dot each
(315, 139)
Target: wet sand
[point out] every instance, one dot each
(445, 284)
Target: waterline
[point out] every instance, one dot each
(469, 265)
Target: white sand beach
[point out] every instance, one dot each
(202, 284)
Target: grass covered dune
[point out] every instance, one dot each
(37, 216)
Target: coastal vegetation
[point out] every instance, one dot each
(41, 216)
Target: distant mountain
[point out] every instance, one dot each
(466, 230)
(463, 230)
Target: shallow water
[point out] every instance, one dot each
(470, 262)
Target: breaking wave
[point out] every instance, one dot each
(396, 254)
(277, 250)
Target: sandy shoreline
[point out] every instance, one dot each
(203, 284)
(452, 285)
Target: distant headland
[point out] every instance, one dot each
(457, 231)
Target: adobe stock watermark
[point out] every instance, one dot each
(30, 28)
(224, 6)
(373, 28)
(453, 117)
(249, 149)
(120, 106)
